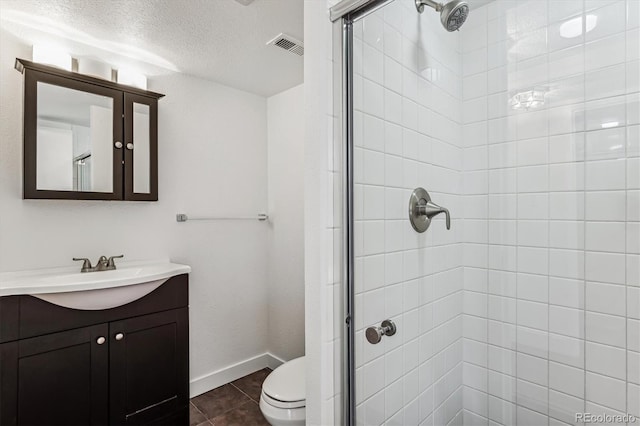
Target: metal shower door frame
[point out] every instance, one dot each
(349, 11)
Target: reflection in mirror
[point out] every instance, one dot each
(141, 153)
(74, 140)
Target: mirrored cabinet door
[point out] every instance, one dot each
(73, 133)
(141, 153)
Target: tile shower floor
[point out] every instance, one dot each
(235, 403)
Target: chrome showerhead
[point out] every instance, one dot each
(452, 14)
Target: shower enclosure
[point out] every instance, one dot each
(524, 124)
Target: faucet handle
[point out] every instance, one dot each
(446, 212)
(436, 209)
(86, 265)
(111, 262)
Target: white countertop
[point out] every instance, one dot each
(67, 279)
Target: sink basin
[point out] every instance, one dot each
(91, 290)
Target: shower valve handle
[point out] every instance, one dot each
(422, 210)
(431, 209)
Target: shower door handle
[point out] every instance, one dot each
(374, 334)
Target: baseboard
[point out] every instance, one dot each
(228, 374)
(273, 361)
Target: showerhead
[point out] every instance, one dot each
(452, 14)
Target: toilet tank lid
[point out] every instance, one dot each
(287, 383)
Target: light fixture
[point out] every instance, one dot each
(609, 124)
(530, 99)
(573, 27)
(51, 55)
(132, 78)
(95, 68)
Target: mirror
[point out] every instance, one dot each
(141, 152)
(74, 140)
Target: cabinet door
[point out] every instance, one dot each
(72, 139)
(141, 143)
(149, 367)
(56, 379)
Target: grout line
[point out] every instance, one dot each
(197, 409)
(226, 411)
(243, 392)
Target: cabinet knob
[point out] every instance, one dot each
(119, 336)
(118, 144)
(100, 340)
(129, 146)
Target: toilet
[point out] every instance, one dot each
(283, 398)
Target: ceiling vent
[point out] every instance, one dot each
(289, 43)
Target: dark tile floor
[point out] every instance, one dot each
(233, 404)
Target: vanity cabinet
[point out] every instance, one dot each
(86, 138)
(127, 365)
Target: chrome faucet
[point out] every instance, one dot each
(103, 264)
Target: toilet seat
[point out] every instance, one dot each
(286, 384)
(283, 404)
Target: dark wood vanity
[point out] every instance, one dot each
(127, 365)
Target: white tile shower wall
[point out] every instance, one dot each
(408, 133)
(551, 289)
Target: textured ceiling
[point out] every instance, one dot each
(220, 40)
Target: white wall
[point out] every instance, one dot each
(285, 239)
(212, 161)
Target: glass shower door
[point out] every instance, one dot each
(406, 136)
